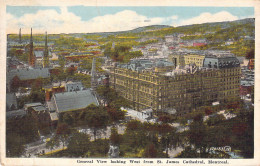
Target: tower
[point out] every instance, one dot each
(93, 75)
(31, 55)
(46, 54)
(20, 36)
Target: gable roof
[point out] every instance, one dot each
(223, 62)
(16, 113)
(28, 74)
(75, 100)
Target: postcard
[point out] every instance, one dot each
(129, 83)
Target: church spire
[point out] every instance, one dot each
(31, 55)
(46, 53)
(93, 75)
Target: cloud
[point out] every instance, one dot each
(208, 17)
(68, 22)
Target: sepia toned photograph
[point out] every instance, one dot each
(93, 83)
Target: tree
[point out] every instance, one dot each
(150, 151)
(198, 135)
(215, 120)
(79, 144)
(115, 138)
(167, 133)
(99, 147)
(68, 119)
(15, 145)
(71, 70)
(115, 115)
(250, 54)
(15, 84)
(96, 118)
(63, 132)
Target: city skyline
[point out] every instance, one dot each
(89, 19)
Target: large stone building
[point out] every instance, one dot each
(181, 89)
(183, 60)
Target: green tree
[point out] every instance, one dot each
(63, 132)
(250, 54)
(115, 114)
(150, 151)
(115, 138)
(79, 144)
(96, 118)
(167, 135)
(68, 119)
(198, 134)
(15, 145)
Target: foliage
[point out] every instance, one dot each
(250, 54)
(150, 151)
(15, 144)
(99, 148)
(115, 138)
(20, 131)
(148, 42)
(63, 132)
(112, 97)
(79, 144)
(115, 114)
(96, 118)
(121, 52)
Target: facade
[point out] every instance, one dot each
(182, 60)
(182, 89)
(197, 59)
(24, 77)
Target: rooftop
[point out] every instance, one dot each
(68, 101)
(28, 74)
(145, 64)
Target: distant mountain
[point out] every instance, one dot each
(148, 28)
(136, 30)
(225, 24)
(180, 29)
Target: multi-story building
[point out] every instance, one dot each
(180, 89)
(183, 60)
(197, 59)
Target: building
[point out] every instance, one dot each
(15, 114)
(73, 86)
(246, 88)
(71, 101)
(24, 77)
(182, 60)
(177, 60)
(180, 89)
(197, 59)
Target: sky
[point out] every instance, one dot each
(88, 19)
